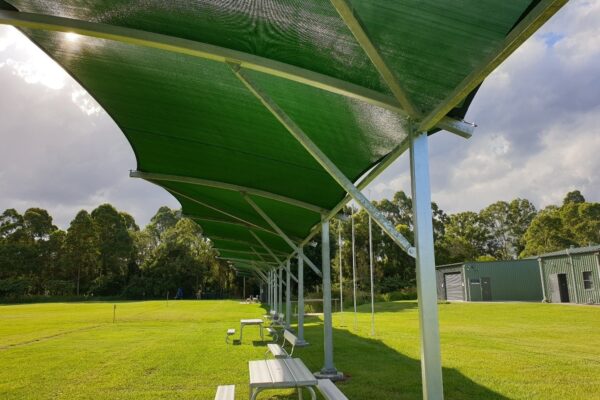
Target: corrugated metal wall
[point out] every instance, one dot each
(581, 263)
(512, 280)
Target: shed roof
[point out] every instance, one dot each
(350, 74)
(572, 250)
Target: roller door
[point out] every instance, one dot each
(453, 285)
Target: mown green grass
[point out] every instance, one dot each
(155, 351)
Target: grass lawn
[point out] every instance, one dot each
(154, 351)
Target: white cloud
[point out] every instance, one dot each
(85, 102)
(60, 150)
(33, 65)
(537, 136)
(538, 117)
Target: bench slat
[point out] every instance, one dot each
(225, 392)
(330, 391)
(277, 350)
(301, 373)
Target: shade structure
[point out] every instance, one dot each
(207, 92)
(187, 115)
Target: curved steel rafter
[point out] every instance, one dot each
(227, 186)
(219, 54)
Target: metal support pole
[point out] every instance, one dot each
(543, 279)
(277, 229)
(431, 363)
(324, 161)
(270, 291)
(341, 275)
(288, 296)
(354, 273)
(328, 371)
(275, 291)
(371, 272)
(301, 341)
(573, 282)
(280, 299)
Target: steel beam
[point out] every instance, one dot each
(272, 255)
(205, 51)
(519, 34)
(214, 239)
(237, 251)
(244, 260)
(431, 363)
(227, 186)
(325, 162)
(347, 14)
(280, 232)
(227, 222)
(203, 204)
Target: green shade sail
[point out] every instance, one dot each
(187, 115)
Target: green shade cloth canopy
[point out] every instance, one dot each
(190, 117)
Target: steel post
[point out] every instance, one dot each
(371, 273)
(543, 279)
(341, 274)
(288, 296)
(301, 341)
(354, 273)
(328, 370)
(431, 364)
(280, 297)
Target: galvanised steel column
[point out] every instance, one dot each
(541, 268)
(431, 363)
(288, 295)
(341, 276)
(328, 370)
(354, 272)
(280, 297)
(275, 301)
(301, 341)
(271, 291)
(371, 273)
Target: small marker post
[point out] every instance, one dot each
(114, 312)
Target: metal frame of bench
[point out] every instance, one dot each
(290, 338)
(230, 332)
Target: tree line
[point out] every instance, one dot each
(105, 253)
(501, 231)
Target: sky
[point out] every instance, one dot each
(538, 133)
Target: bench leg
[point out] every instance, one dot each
(313, 395)
(254, 393)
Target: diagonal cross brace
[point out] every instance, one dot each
(280, 232)
(272, 255)
(325, 162)
(350, 19)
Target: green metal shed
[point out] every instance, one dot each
(511, 280)
(571, 275)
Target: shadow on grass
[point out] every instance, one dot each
(382, 307)
(376, 371)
